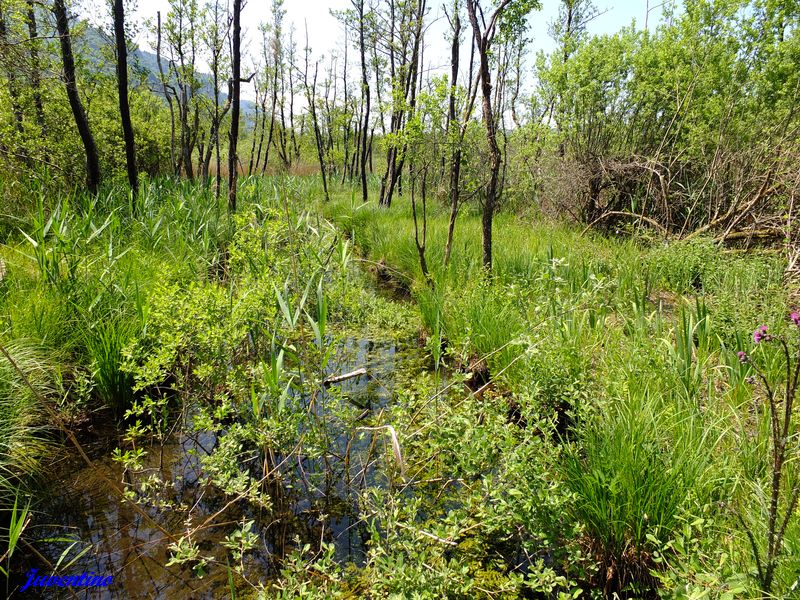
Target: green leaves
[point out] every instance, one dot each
(513, 19)
(19, 519)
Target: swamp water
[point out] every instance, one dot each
(91, 530)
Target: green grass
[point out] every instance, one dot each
(617, 399)
(631, 474)
(25, 378)
(630, 347)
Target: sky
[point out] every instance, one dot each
(326, 34)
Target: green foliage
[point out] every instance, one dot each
(19, 519)
(614, 391)
(611, 341)
(576, 424)
(630, 479)
(25, 380)
(685, 267)
(678, 122)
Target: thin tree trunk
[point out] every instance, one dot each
(78, 113)
(166, 89)
(378, 86)
(346, 141)
(365, 94)
(36, 69)
(311, 99)
(371, 139)
(235, 88)
(263, 129)
(455, 155)
(206, 158)
(482, 40)
(272, 115)
(423, 263)
(282, 141)
(409, 69)
(295, 147)
(353, 164)
(13, 90)
(124, 105)
(186, 134)
(218, 174)
(253, 143)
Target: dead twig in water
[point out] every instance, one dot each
(398, 455)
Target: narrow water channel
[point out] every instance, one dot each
(84, 528)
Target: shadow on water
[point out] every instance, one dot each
(85, 528)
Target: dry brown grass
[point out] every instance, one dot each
(299, 169)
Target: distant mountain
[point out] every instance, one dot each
(97, 46)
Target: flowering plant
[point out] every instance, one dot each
(784, 486)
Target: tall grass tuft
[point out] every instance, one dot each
(104, 343)
(629, 479)
(22, 439)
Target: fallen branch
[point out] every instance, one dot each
(398, 455)
(745, 235)
(734, 209)
(338, 378)
(623, 213)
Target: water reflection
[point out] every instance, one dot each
(314, 499)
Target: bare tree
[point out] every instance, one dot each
(365, 98)
(311, 99)
(122, 89)
(236, 75)
(78, 113)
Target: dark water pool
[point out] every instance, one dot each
(84, 528)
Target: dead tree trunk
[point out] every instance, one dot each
(78, 113)
(365, 95)
(124, 106)
(235, 101)
(311, 92)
